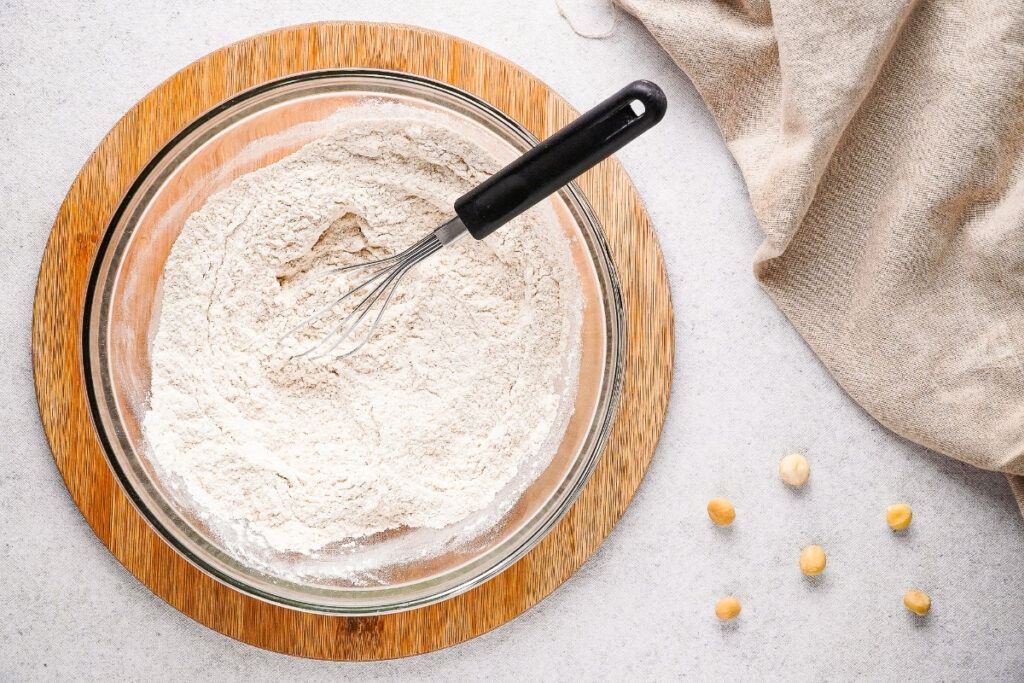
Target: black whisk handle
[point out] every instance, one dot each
(594, 136)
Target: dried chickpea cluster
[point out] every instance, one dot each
(794, 470)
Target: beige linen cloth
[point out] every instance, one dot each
(882, 143)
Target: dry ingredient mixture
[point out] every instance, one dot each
(468, 384)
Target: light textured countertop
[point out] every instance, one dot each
(746, 391)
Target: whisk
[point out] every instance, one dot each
(538, 173)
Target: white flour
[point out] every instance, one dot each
(468, 383)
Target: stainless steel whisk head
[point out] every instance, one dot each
(538, 173)
(378, 290)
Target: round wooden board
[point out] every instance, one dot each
(58, 370)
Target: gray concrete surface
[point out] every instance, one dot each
(746, 391)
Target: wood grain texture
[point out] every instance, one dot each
(57, 360)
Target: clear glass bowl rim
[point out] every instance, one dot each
(115, 445)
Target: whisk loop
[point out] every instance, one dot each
(381, 285)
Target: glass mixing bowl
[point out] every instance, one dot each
(247, 132)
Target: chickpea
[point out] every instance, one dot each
(812, 560)
(727, 608)
(917, 602)
(721, 511)
(794, 469)
(899, 515)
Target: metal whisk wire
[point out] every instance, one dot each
(392, 270)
